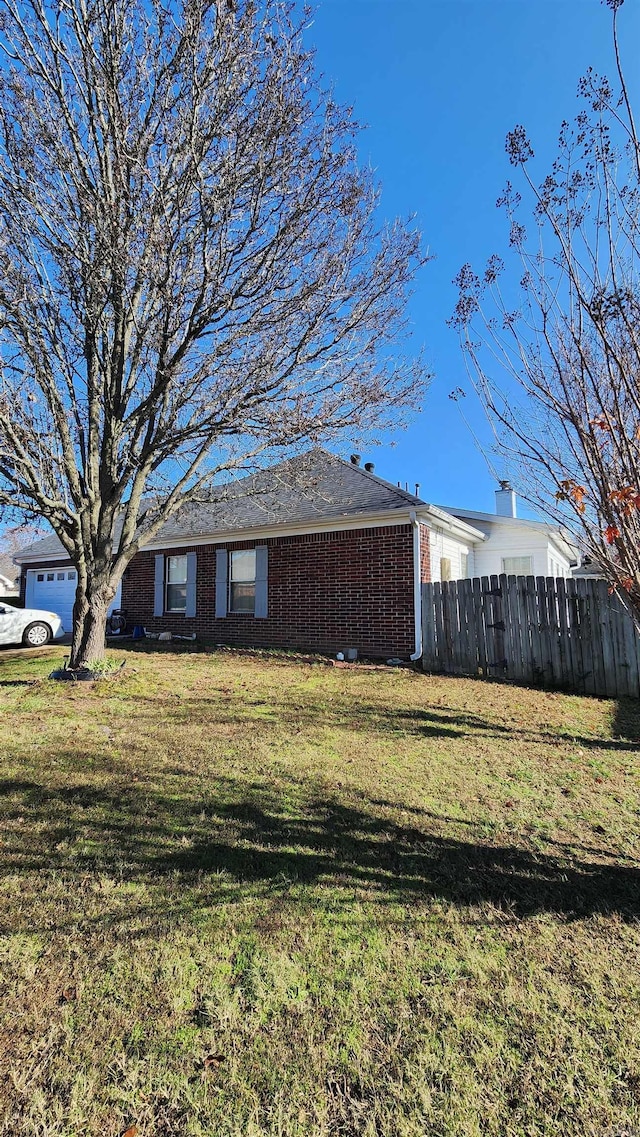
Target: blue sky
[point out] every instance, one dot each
(438, 84)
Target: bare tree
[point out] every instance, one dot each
(16, 537)
(192, 279)
(557, 366)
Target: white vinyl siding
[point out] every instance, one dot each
(509, 542)
(449, 556)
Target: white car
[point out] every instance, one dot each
(29, 626)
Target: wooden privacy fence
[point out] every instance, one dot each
(550, 632)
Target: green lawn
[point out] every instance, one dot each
(252, 895)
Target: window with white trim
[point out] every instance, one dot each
(242, 580)
(176, 584)
(517, 566)
(464, 565)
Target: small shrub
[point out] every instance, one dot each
(103, 668)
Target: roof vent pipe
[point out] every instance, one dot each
(417, 489)
(355, 459)
(369, 467)
(505, 501)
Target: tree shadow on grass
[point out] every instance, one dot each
(242, 837)
(626, 723)
(224, 708)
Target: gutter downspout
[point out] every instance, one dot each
(417, 587)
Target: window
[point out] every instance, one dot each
(50, 576)
(242, 581)
(445, 568)
(71, 576)
(176, 584)
(60, 576)
(40, 576)
(464, 565)
(517, 566)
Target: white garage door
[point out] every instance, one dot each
(54, 590)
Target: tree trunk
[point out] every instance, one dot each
(89, 626)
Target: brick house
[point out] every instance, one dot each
(314, 553)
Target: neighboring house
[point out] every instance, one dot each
(314, 553)
(9, 576)
(514, 545)
(588, 569)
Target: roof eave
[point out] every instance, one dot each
(371, 519)
(441, 518)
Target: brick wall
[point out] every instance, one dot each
(425, 555)
(327, 591)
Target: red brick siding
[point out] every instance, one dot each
(425, 555)
(327, 591)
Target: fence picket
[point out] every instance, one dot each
(480, 586)
(575, 633)
(428, 629)
(513, 644)
(566, 665)
(630, 648)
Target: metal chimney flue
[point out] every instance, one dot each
(369, 467)
(355, 459)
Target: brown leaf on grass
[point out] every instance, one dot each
(212, 1061)
(132, 1131)
(68, 994)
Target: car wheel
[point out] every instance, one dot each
(36, 635)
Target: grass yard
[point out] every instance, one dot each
(259, 896)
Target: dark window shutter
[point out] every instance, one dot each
(158, 588)
(262, 582)
(190, 609)
(222, 560)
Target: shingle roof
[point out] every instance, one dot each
(311, 487)
(46, 547)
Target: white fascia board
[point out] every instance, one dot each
(436, 517)
(496, 518)
(429, 515)
(263, 532)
